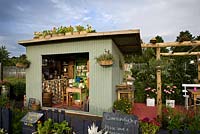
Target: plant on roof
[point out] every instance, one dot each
(61, 30)
(54, 30)
(44, 33)
(79, 28)
(70, 29)
(89, 29)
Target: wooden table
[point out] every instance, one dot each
(194, 94)
(73, 90)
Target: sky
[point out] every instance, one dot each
(19, 19)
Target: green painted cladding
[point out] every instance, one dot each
(102, 79)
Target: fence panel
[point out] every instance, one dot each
(79, 123)
(0, 118)
(5, 116)
(12, 71)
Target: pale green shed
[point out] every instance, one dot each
(64, 62)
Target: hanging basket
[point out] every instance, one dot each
(105, 62)
(21, 65)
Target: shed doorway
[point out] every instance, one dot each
(65, 81)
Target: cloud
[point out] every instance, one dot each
(19, 19)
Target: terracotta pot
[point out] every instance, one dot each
(35, 107)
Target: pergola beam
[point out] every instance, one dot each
(171, 44)
(180, 54)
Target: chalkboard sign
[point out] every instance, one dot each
(117, 123)
(30, 102)
(31, 117)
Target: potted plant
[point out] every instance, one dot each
(151, 95)
(48, 34)
(123, 105)
(69, 30)
(169, 93)
(80, 29)
(105, 59)
(54, 32)
(61, 31)
(37, 35)
(89, 29)
(22, 62)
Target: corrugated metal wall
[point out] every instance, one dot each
(102, 79)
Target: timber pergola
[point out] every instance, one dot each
(194, 44)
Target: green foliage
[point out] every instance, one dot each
(105, 56)
(4, 55)
(60, 128)
(193, 122)
(4, 100)
(23, 60)
(149, 126)
(17, 86)
(17, 115)
(123, 105)
(170, 91)
(79, 28)
(159, 39)
(49, 127)
(89, 29)
(173, 119)
(70, 29)
(197, 38)
(61, 30)
(2, 131)
(184, 36)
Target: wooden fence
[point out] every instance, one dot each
(5, 119)
(12, 71)
(78, 122)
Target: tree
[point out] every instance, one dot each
(4, 55)
(184, 36)
(197, 38)
(159, 39)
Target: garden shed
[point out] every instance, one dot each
(66, 67)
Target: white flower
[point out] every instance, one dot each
(94, 130)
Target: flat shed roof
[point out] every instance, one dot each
(128, 41)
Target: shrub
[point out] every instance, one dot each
(149, 126)
(17, 115)
(17, 87)
(49, 127)
(123, 105)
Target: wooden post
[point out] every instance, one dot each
(198, 67)
(159, 92)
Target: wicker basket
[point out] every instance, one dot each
(21, 65)
(106, 62)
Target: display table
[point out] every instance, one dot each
(73, 90)
(194, 94)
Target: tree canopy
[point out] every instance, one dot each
(4, 55)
